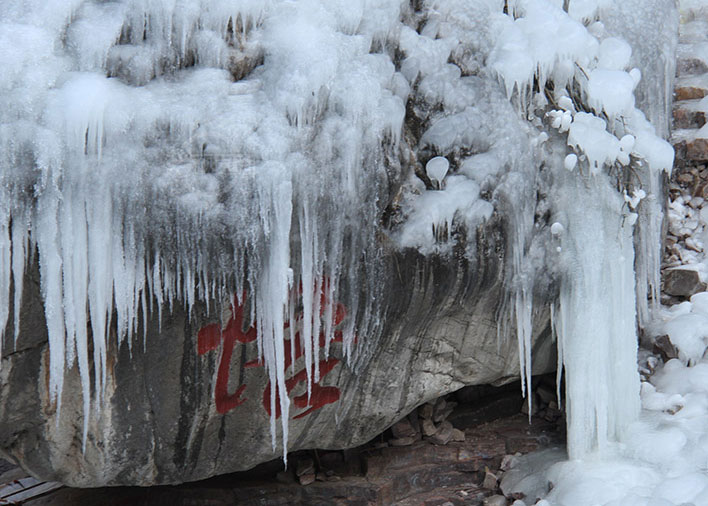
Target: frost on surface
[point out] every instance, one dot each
(431, 220)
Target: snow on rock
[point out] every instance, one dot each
(588, 134)
(431, 219)
(570, 161)
(436, 169)
(611, 91)
(543, 42)
(686, 324)
(660, 461)
(614, 54)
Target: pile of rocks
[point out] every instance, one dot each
(689, 138)
(544, 404)
(445, 419)
(429, 422)
(688, 190)
(687, 217)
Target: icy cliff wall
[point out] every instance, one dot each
(216, 166)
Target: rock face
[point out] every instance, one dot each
(192, 402)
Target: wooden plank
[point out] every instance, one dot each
(24, 489)
(35, 491)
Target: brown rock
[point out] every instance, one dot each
(428, 428)
(521, 444)
(415, 421)
(700, 190)
(697, 150)
(304, 466)
(285, 477)
(403, 429)
(426, 411)
(690, 65)
(688, 93)
(550, 415)
(443, 415)
(545, 394)
(495, 500)
(490, 480)
(688, 118)
(442, 410)
(682, 282)
(443, 435)
(534, 405)
(664, 347)
(403, 441)
(439, 406)
(685, 178)
(307, 479)
(458, 435)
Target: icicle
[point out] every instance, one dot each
(649, 250)
(309, 292)
(50, 264)
(273, 288)
(78, 257)
(19, 261)
(5, 269)
(317, 324)
(127, 184)
(523, 312)
(597, 315)
(100, 288)
(559, 363)
(69, 277)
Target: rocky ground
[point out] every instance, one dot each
(451, 451)
(684, 272)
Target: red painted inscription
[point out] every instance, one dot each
(213, 337)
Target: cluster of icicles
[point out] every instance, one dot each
(601, 299)
(172, 182)
(146, 172)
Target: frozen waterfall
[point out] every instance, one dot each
(157, 153)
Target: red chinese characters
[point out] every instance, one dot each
(211, 337)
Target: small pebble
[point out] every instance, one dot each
(495, 500)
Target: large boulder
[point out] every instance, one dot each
(191, 401)
(266, 146)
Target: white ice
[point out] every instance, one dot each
(151, 150)
(161, 153)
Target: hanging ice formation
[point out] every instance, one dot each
(159, 153)
(596, 316)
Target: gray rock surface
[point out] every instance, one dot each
(160, 423)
